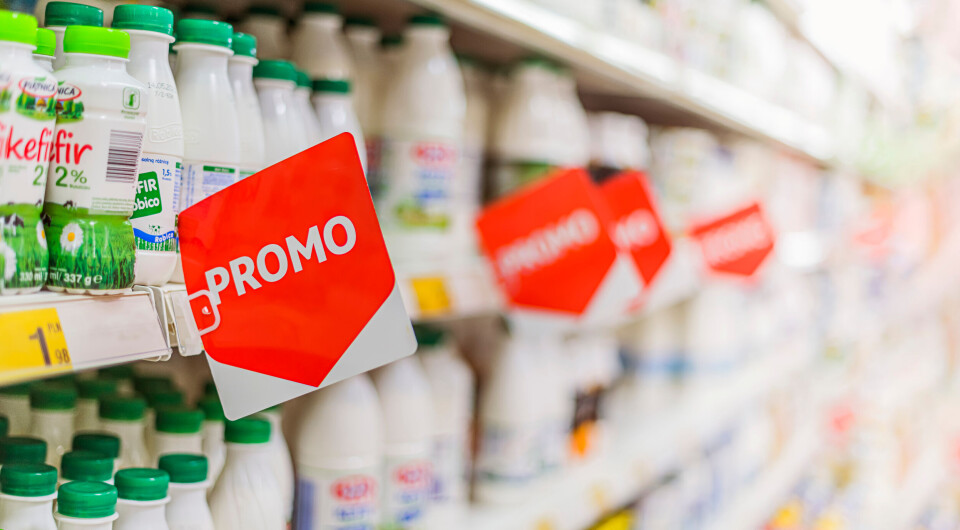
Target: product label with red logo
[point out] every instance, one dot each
(337, 499)
(406, 490)
(418, 183)
(737, 243)
(637, 226)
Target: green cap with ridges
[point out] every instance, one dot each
(22, 450)
(179, 420)
(247, 431)
(51, 396)
(145, 18)
(244, 45)
(184, 468)
(331, 86)
(142, 484)
(200, 31)
(46, 42)
(428, 335)
(97, 41)
(427, 19)
(18, 27)
(274, 69)
(151, 383)
(164, 398)
(121, 371)
(87, 500)
(321, 7)
(98, 442)
(72, 14)
(23, 389)
(28, 480)
(96, 388)
(122, 408)
(303, 80)
(212, 409)
(361, 21)
(86, 465)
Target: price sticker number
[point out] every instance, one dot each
(33, 344)
(432, 296)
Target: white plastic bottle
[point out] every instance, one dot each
(282, 130)
(22, 450)
(123, 417)
(247, 496)
(86, 506)
(240, 69)
(452, 389)
(177, 431)
(57, 16)
(89, 392)
(475, 131)
(101, 120)
(340, 457)
(334, 109)
(422, 215)
(15, 405)
(270, 29)
(28, 113)
(188, 509)
(408, 426)
(158, 182)
(391, 47)
(142, 499)
(99, 442)
(46, 49)
(27, 492)
(282, 462)
(363, 39)
(511, 418)
(318, 45)
(214, 447)
(301, 98)
(85, 465)
(156, 399)
(52, 409)
(211, 129)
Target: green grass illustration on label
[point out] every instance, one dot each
(89, 251)
(36, 108)
(23, 247)
(5, 96)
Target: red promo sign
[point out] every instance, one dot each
(287, 268)
(548, 243)
(737, 243)
(637, 226)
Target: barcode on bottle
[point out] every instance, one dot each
(123, 156)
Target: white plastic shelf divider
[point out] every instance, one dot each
(633, 70)
(99, 330)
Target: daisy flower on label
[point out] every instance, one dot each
(9, 261)
(41, 235)
(71, 238)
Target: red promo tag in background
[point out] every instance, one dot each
(290, 278)
(637, 225)
(549, 243)
(736, 243)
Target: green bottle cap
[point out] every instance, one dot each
(122, 408)
(164, 398)
(22, 450)
(18, 27)
(71, 14)
(62, 380)
(244, 45)
(210, 389)
(51, 396)
(331, 86)
(200, 31)
(391, 40)
(23, 389)
(96, 388)
(366, 22)
(46, 42)
(264, 10)
(97, 41)
(86, 465)
(303, 80)
(320, 7)
(179, 420)
(119, 372)
(142, 484)
(212, 409)
(87, 500)
(427, 19)
(247, 431)
(28, 480)
(184, 468)
(98, 442)
(4, 426)
(273, 69)
(146, 18)
(151, 383)
(428, 335)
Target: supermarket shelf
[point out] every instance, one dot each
(633, 70)
(98, 330)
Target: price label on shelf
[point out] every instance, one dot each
(34, 344)
(432, 295)
(737, 243)
(637, 226)
(289, 280)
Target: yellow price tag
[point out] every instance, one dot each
(33, 344)
(432, 297)
(621, 521)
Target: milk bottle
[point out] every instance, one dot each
(177, 431)
(123, 417)
(240, 69)
(270, 29)
(280, 454)
(46, 49)
(283, 135)
(301, 98)
(52, 417)
(89, 393)
(212, 432)
(318, 45)
(27, 492)
(334, 110)
(188, 509)
(86, 506)
(58, 15)
(142, 499)
(363, 39)
(15, 405)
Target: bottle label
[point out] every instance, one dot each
(509, 454)
(406, 491)
(244, 173)
(337, 499)
(155, 207)
(450, 468)
(203, 180)
(418, 180)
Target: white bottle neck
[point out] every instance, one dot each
(100, 61)
(45, 421)
(137, 515)
(241, 67)
(75, 523)
(244, 454)
(129, 432)
(366, 38)
(213, 431)
(33, 509)
(187, 495)
(321, 23)
(201, 59)
(274, 85)
(149, 46)
(10, 51)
